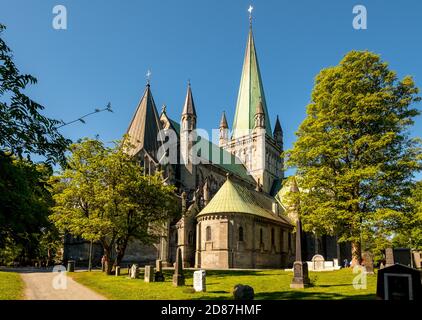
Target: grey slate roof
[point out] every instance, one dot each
(145, 125)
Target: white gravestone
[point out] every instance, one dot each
(199, 281)
(134, 271)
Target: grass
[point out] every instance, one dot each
(268, 284)
(11, 286)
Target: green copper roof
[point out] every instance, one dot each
(251, 91)
(215, 152)
(234, 198)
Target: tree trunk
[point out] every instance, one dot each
(356, 253)
(120, 250)
(107, 262)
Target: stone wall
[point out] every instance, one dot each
(227, 249)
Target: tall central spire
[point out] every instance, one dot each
(251, 93)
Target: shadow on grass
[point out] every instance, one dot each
(300, 295)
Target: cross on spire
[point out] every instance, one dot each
(250, 14)
(148, 75)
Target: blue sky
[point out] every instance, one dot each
(109, 46)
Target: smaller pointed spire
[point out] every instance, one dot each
(259, 115)
(293, 186)
(189, 106)
(277, 127)
(259, 108)
(223, 122)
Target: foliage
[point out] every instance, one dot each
(410, 235)
(23, 130)
(354, 156)
(103, 195)
(24, 209)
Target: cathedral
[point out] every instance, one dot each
(231, 202)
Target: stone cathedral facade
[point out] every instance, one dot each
(231, 208)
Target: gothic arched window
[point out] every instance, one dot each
(240, 234)
(208, 233)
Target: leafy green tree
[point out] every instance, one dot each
(410, 233)
(103, 195)
(353, 154)
(23, 129)
(24, 210)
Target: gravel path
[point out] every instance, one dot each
(54, 286)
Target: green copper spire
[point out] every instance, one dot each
(251, 92)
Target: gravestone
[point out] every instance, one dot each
(178, 277)
(243, 292)
(159, 276)
(134, 271)
(117, 271)
(389, 257)
(382, 265)
(335, 263)
(399, 282)
(417, 259)
(71, 266)
(300, 269)
(199, 283)
(403, 256)
(300, 275)
(368, 262)
(149, 274)
(318, 262)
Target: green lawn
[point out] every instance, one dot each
(11, 286)
(268, 284)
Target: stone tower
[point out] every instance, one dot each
(187, 137)
(252, 139)
(224, 131)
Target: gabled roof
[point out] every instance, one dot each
(145, 125)
(234, 198)
(231, 163)
(251, 92)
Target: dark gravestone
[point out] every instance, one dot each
(368, 262)
(178, 277)
(243, 292)
(71, 266)
(403, 256)
(399, 282)
(389, 257)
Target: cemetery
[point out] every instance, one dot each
(316, 280)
